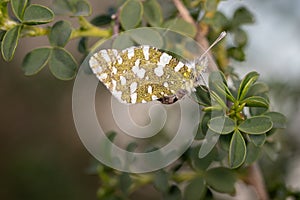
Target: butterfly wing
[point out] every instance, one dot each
(141, 74)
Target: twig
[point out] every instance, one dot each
(184, 13)
(116, 26)
(256, 180)
(201, 31)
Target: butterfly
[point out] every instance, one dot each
(140, 74)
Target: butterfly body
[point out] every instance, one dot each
(142, 74)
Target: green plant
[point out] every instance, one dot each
(244, 125)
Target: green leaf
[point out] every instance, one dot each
(195, 190)
(10, 42)
(242, 16)
(256, 125)
(255, 111)
(217, 84)
(123, 41)
(237, 150)
(221, 125)
(202, 129)
(173, 194)
(240, 37)
(101, 20)
(18, 8)
(35, 61)
(202, 95)
(224, 142)
(125, 182)
(219, 22)
(60, 33)
(83, 45)
(153, 12)
(161, 181)
(62, 64)
(82, 8)
(2, 33)
(256, 101)
(71, 7)
(257, 89)
(246, 83)
(131, 14)
(211, 5)
(221, 179)
(201, 164)
(208, 144)
(236, 53)
(181, 26)
(253, 153)
(278, 119)
(258, 140)
(147, 36)
(37, 14)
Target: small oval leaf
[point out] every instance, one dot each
(123, 41)
(174, 193)
(236, 53)
(208, 144)
(18, 8)
(240, 37)
(60, 33)
(201, 164)
(101, 20)
(153, 12)
(257, 89)
(10, 42)
(221, 179)
(256, 125)
(237, 150)
(147, 36)
(37, 14)
(253, 153)
(35, 60)
(71, 7)
(246, 83)
(258, 140)
(181, 26)
(83, 8)
(221, 125)
(131, 14)
(125, 182)
(256, 101)
(161, 181)
(278, 119)
(242, 16)
(195, 189)
(62, 64)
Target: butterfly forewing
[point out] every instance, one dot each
(141, 74)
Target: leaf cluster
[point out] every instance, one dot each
(243, 120)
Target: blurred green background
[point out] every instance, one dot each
(41, 154)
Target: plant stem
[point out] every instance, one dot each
(183, 11)
(255, 179)
(89, 30)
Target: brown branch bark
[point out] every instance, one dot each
(201, 31)
(184, 13)
(255, 179)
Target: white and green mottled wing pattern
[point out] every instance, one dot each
(141, 74)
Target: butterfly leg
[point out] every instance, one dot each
(173, 98)
(168, 99)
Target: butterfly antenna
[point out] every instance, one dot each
(221, 36)
(200, 59)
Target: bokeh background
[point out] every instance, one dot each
(41, 154)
